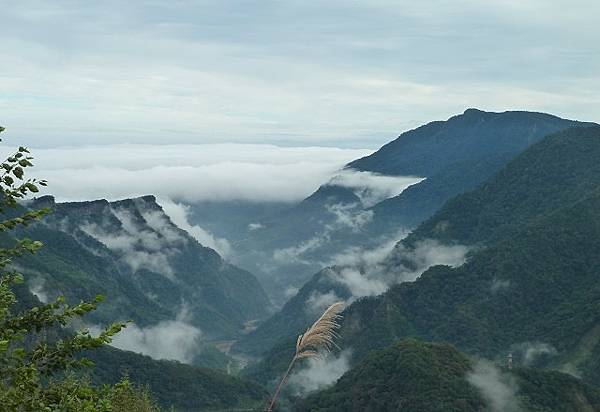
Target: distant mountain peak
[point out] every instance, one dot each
(473, 134)
(472, 110)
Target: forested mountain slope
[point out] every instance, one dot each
(415, 376)
(533, 276)
(454, 156)
(187, 388)
(531, 279)
(428, 149)
(148, 268)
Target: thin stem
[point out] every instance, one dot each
(281, 383)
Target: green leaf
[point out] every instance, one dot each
(18, 172)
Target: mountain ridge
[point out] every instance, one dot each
(453, 156)
(165, 270)
(517, 287)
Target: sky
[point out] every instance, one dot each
(349, 74)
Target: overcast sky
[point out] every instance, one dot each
(341, 73)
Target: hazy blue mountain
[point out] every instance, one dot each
(422, 200)
(413, 206)
(429, 149)
(454, 156)
(149, 269)
(233, 219)
(530, 283)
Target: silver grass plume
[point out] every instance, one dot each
(319, 338)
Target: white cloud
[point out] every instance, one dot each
(172, 339)
(497, 388)
(430, 252)
(125, 242)
(37, 286)
(255, 226)
(294, 253)
(531, 351)
(178, 213)
(499, 284)
(320, 373)
(160, 223)
(372, 188)
(290, 292)
(369, 272)
(359, 284)
(349, 216)
(356, 256)
(189, 173)
(317, 302)
(139, 246)
(571, 369)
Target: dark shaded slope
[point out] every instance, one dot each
(541, 284)
(533, 274)
(454, 155)
(537, 280)
(560, 170)
(425, 377)
(428, 149)
(420, 201)
(185, 387)
(295, 316)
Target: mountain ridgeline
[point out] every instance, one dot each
(149, 269)
(454, 156)
(532, 278)
(530, 283)
(494, 140)
(429, 149)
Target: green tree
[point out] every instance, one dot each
(38, 350)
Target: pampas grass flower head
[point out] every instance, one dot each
(319, 338)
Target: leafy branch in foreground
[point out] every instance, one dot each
(317, 339)
(37, 347)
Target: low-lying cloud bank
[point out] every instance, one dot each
(372, 188)
(320, 373)
(496, 387)
(189, 173)
(530, 352)
(369, 272)
(372, 271)
(172, 339)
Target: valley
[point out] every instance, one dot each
(484, 257)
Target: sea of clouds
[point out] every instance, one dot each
(184, 174)
(188, 173)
